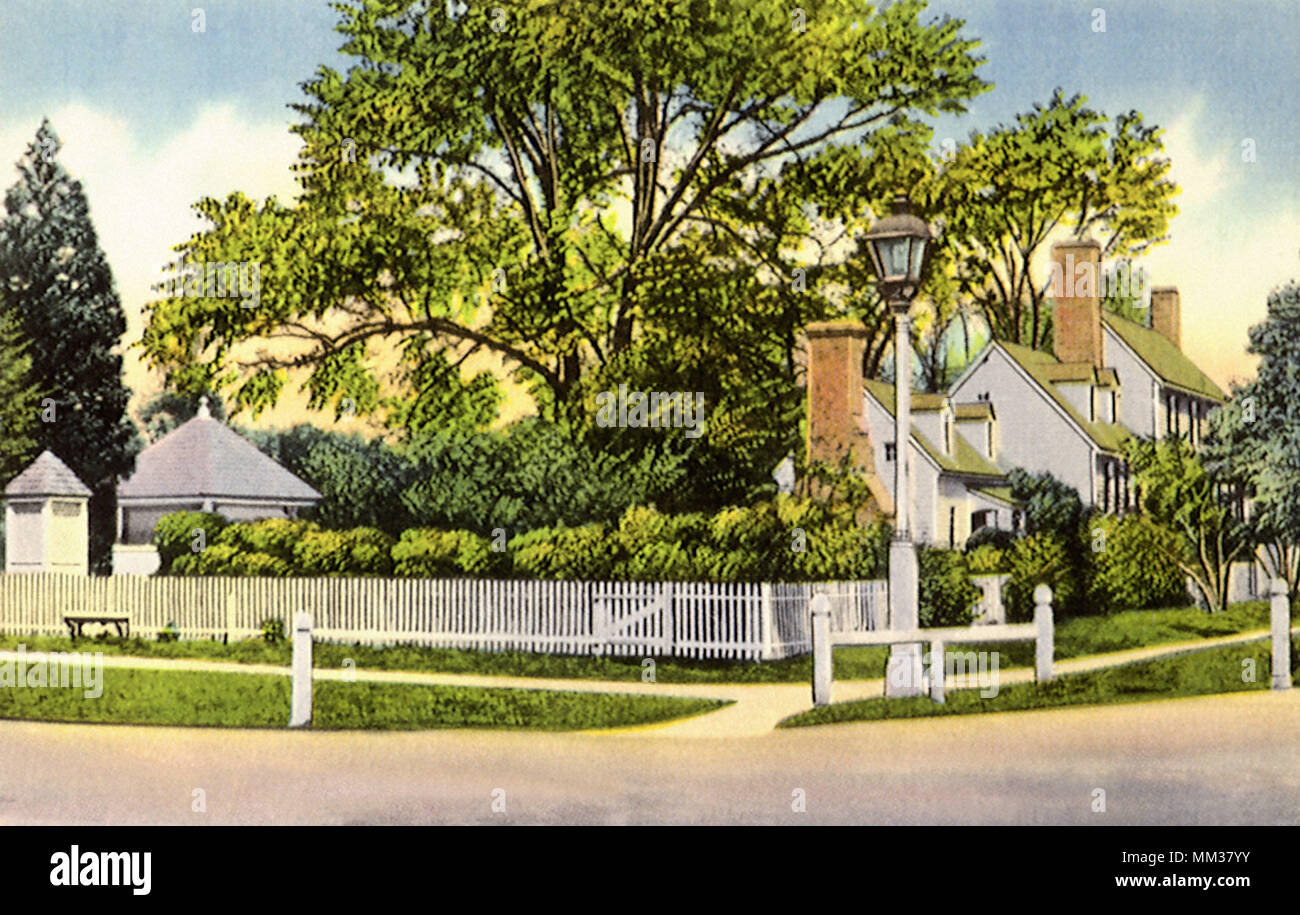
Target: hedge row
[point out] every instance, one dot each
(786, 540)
(789, 539)
(1125, 566)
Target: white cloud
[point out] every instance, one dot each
(1224, 256)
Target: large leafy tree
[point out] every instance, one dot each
(1061, 165)
(61, 289)
(1254, 441)
(585, 190)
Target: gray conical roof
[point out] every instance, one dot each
(47, 476)
(204, 458)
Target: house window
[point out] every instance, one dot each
(952, 527)
(890, 451)
(1108, 477)
(1092, 404)
(947, 435)
(990, 440)
(1170, 414)
(1114, 407)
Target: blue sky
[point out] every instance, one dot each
(155, 115)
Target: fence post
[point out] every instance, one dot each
(1045, 642)
(300, 715)
(820, 608)
(1280, 611)
(765, 621)
(938, 667)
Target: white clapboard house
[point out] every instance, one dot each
(1067, 412)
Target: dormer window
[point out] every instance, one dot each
(891, 451)
(989, 441)
(947, 434)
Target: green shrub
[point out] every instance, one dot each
(1130, 565)
(586, 552)
(840, 550)
(987, 559)
(1040, 559)
(359, 551)
(947, 595)
(273, 630)
(1051, 506)
(255, 565)
(756, 530)
(274, 536)
(653, 546)
(175, 535)
(227, 559)
(430, 553)
(989, 536)
(169, 633)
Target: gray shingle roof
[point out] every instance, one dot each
(47, 476)
(205, 458)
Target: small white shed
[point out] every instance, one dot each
(47, 519)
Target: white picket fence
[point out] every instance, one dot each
(755, 621)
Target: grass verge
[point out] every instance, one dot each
(1200, 673)
(191, 698)
(1074, 638)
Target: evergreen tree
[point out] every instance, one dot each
(61, 290)
(18, 397)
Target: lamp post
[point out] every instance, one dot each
(899, 245)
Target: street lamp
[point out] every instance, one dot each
(899, 245)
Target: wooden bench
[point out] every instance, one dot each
(74, 622)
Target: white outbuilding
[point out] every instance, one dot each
(47, 519)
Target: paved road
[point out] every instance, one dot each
(1216, 760)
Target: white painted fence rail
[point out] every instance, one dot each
(826, 634)
(699, 620)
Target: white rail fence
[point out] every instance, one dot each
(755, 621)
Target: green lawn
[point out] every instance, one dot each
(1217, 670)
(1074, 638)
(262, 701)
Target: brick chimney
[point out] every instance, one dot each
(836, 422)
(1076, 319)
(1167, 314)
